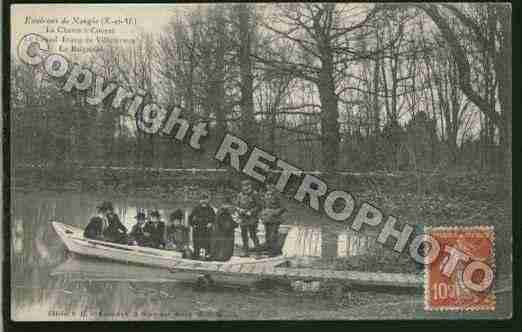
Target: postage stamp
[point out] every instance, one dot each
(463, 277)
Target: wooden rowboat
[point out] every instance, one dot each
(76, 243)
(138, 261)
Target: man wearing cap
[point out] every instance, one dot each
(156, 228)
(138, 236)
(201, 220)
(247, 202)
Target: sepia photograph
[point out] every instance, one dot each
(259, 161)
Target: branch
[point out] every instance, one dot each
(297, 131)
(288, 108)
(300, 113)
(462, 62)
(289, 68)
(300, 42)
(468, 22)
(359, 25)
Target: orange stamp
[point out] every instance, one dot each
(460, 272)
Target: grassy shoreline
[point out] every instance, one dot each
(431, 199)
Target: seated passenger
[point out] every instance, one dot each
(106, 225)
(177, 234)
(116, 231)
(156, 228)
(137, 235)
(96, 226)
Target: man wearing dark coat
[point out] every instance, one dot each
(95, 228)
(137, 235)
(106, 225)
(201, 220)
(222, 239)
(177, 234)
(116, 231)
(156, 228)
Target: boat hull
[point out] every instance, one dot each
(73, 239)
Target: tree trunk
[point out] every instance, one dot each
(273, 124)
(504, 73)
(218, 78)
(330, 139)
(376, 115)
(248, 130)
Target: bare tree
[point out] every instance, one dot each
(324, 35)
(497, 43)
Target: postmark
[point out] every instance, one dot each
(462, 277)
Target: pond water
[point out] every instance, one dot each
(36, 295)
(106, 293)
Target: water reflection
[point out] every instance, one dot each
(48, 285)
(37, 251)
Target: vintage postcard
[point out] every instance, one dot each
(259, 161)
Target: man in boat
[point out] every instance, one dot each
(248, 207)
(177, 234)
(271, 219)
(201, 220)
(156, 228)
(96, 226)
(138, 236)
(116, 231)
(106, 225)
(222, 237)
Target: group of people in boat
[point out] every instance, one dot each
(212, 229)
